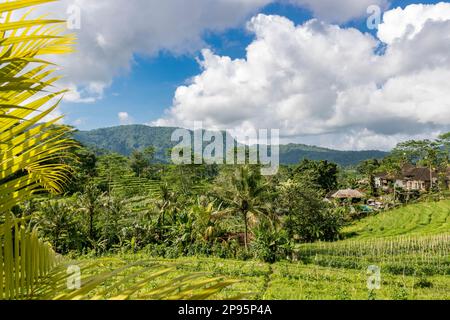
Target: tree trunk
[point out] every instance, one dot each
(395, 194)
(91, 224)
(431, 178)
(246, 232)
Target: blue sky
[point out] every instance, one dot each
(142, 81)
(148, 89)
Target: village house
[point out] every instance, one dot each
(351, 195)
(411, 178)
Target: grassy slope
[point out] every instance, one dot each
(288, 281)
(415, 220)
(338, 270)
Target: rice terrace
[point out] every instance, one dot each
(332, 185)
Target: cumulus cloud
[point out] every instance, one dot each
(125, 118)
(114, 31)
(399, 23)
(339, 11)
(320, 81)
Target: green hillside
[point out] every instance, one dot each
(429, 218)
(293, 153)
(124, 139)
(414, 240)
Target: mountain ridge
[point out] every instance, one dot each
(126, 138)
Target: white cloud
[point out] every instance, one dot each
(318, 81)
(125, 118)
(78, 122)
(408, 22)
(114, 31)
(340, 11)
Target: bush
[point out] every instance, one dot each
(423, 283)
(60, 224)
(271, 245)
(308, 217)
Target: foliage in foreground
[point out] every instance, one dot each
(298, 281)
(30, 150)
(33, 158)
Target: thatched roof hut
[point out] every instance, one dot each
(348, 194)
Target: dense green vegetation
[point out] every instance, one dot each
(415, 265)
(133, 226)
(39, 158)
(231, 218)
(125, 139)
(173, 212)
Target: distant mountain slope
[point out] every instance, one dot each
(124, 139)
(293, 153)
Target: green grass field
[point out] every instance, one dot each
(296, 281)
(418, 219)
(411, 246)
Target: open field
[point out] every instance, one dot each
(411, 246)
(297, 281)
(428, 218)
(408, 241)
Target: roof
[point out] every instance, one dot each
(420, 174)
(348, 194)
(382, 175)
(411, 172)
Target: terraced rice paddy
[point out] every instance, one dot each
(430, 218)
(410, 246)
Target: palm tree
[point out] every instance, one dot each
(245, 196)
(166, 203)
(88, 203)
(32, 154)
(31, 151)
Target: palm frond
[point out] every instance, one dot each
(30, 152)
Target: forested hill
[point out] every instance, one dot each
(124, 139)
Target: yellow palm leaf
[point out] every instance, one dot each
(31, 151)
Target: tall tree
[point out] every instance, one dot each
(138, 162)
(369, 169)
(110, 167)
(88, 203)
(322, 173)
(245, 196)
(308, 217)
(423, 152)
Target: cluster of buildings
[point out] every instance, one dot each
(412, 178)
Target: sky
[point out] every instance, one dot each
(311, 68)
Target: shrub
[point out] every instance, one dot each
(59, 223)
(308, 217)
(270, 244)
